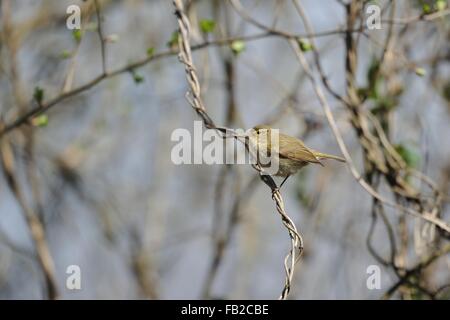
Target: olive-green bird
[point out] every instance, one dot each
(292, 153)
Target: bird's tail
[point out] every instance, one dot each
(321, 155)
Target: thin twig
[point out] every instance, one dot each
(34, 224)
(100, 35)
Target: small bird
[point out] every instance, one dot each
(292, 154)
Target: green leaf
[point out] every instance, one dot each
(150, 51)
(385, 104)
(173, 42)
(363, 93)
(372, 73)
(374, 79)
(421, 72)
(38, 95)
(440, 5)
(137, 77)
(446, 91)
(237, 46)
(410, 156)
(66, 54)
(40, 121)
(77, 35)
(426, 9)
(305, 45)
(207, 25)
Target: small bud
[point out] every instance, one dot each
(207, 26)
(173, 42)
(421, 72)
(441, 5)
(305, 45)
(237, 46)
(77, 34)
(38, 95)
(137, 77)
(40, 121)
(65, 54)
(150, 51)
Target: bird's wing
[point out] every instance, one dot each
(294, 149)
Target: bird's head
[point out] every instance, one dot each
(261, 128)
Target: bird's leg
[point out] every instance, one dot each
(284, 181)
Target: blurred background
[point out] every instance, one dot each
(95, 169)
